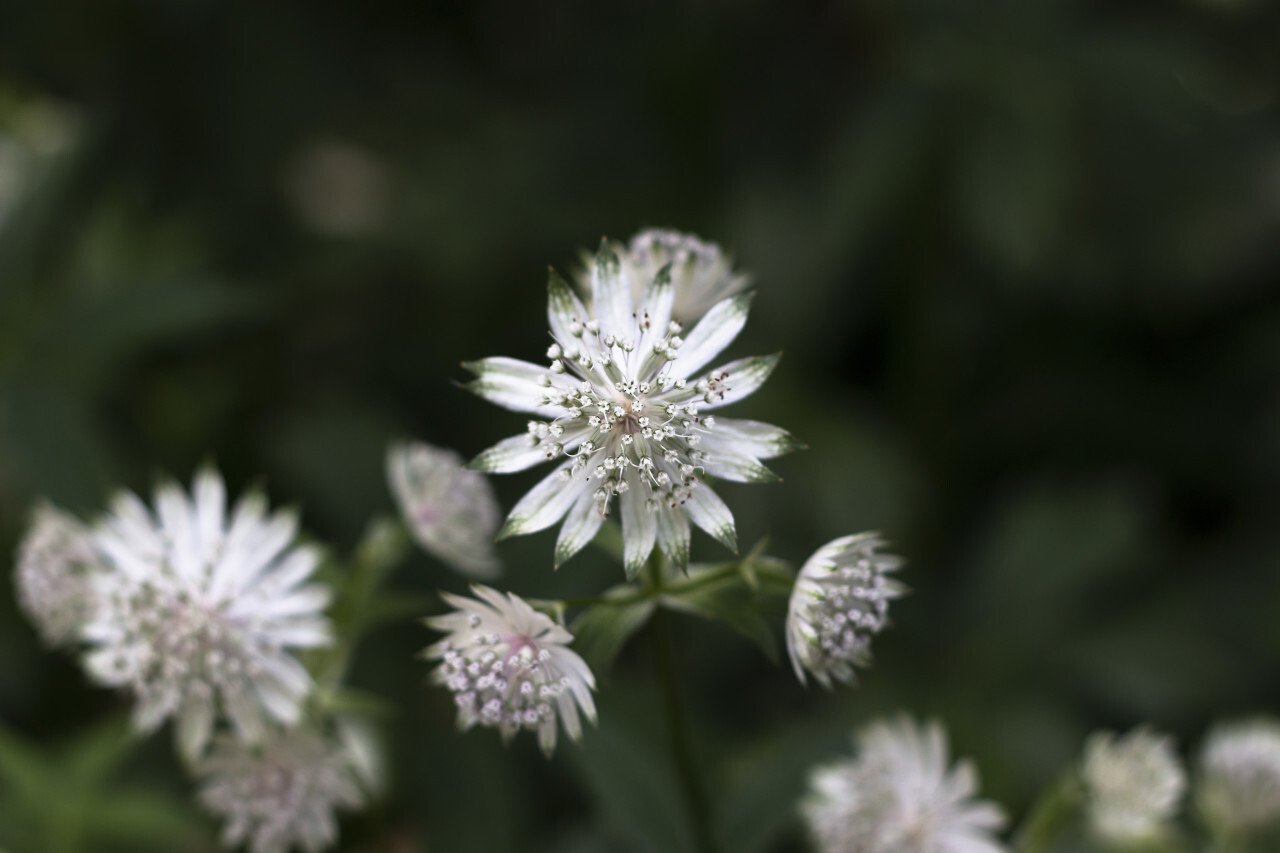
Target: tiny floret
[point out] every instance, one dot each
(839, 602)
(510, 667)
(451, 512)
(898, 796)
(197, 609)
(1135, 785)
(53, 578)
(281, 793)
(1238, 790)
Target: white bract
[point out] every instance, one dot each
(839, 602)
(510, 667)
(451, 512)
(701, 274)
(197, 610)
(55, 565)
(898, 796)
(1239, 783)
(279, 793)
(1135, 784)
(623, 408)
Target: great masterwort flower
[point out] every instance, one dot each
(451, 512)
(281, 792)
(1135, 784)
(897, 796)
(1239, 784)
(510, 667)
(196, 611)
(623, 405)
(53, 579)
(839, 602)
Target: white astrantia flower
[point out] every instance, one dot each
(279, 793)
(839, 602)
(198, 609)
(510, 667)
(53, 578)
(622, 407)
(701, 273)
(1135, 784)
(898, 796)
(451, 512)
(1238, 789)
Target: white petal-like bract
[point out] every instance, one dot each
(451, 512)
(56, 562)
(1135, 784)
(898, 796)
(280, 793)
(1238, 789)
(197, 609)
(510, 667)
(839, 602)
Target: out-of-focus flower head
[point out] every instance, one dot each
(839, 602)
(1238, 789)
(197, 610)
(1135, 784)
(53, 579)
(451, 512)
(510, 667)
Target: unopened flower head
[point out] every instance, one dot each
(701, 273)
(280, 793)
(623, 406)
(839, 602)
(1239, 782)
(898, 795)
(198, 609)
(451, 512)
(53, 577)
(1135, 784)
(510, 667)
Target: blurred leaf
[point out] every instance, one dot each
(22, 767)
(601, 630)
(731, 601)
(143, 818)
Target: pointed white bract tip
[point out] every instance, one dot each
(1135, 785)
(701, 273)
(196, 611)
(450, 511)
(510, 668)
(839, 603)
(898, 794)
(281, 793)
(52, 579)
(1238, 788)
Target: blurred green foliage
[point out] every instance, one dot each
(1022, 259)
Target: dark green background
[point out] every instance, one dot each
(1021, 257)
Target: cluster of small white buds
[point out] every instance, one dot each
(1238, 789)
(1134, 783)
(839, 602)
(56, 562)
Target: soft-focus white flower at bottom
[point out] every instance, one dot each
(898, 796)
(55, 564)
(510, 667)
(1135, 784)
(280, 793)
(1239, 784)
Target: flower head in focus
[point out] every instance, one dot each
(197, 609)
(622, 408)
(510, 667)
(839, 602)
(53, 577)
(281, 792)
(898, 796)
(451, 512)
(1135, 784)
(1239, 783)
(701, 273)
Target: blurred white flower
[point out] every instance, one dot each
(839, 602)
(701, 274)
(898, 796)
(55, 563)
(337, 188)
(510, 667)
(623, 404)
(451, 512)
(279, 793)
(1135, 784)
(197, 611)
(1238, 789)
